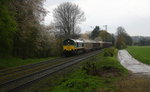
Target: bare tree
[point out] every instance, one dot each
(85, 35)
(67, 16)
(123, 39)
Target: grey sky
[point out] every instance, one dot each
(133, 15)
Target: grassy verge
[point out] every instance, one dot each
(141, 53)
(14, 62)
(97, 74)
(133, 84)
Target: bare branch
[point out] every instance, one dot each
(67, 16)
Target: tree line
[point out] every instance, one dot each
(141, 41)
(21, 31)
(120, 40)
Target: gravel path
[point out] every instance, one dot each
(132, 64)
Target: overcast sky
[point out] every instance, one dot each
(133, 15)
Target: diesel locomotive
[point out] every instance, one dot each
(76, 46)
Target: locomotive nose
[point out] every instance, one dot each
(68, 48)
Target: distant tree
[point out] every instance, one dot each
(144, 42)
(67, 16)
(95, 32)
(123, 39)
(113, 39)
(120, 42)
(77, 31)
(105, 36)
(129, 40)
(141, 40)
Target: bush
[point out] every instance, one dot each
(109, 52)
(104, 65)
(90, 68)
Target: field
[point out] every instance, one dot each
(141, 53)
(14, 62)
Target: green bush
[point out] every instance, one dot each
(105, 64)
(90, 68)
(109, 52)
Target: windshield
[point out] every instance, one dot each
(68, 42)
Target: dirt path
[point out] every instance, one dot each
(132, 64)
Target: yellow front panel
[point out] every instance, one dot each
(68, 48)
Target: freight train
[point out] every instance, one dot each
(76, 46)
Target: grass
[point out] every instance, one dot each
(141, 53)
(97, 74)
(14, 62)
(133, 84)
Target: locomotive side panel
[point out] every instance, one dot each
(88, 46)
(96, 46)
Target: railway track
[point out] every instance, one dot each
(34, 72)
(14, 73)
(24, 67)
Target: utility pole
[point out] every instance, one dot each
(105, 27)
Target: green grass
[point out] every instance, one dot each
(83, 78)
(14, 62)
(103, 79)
(141, 53)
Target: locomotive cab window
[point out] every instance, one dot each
(77, 44)
(68, 42)
(82, 44)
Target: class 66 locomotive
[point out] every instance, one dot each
(77, 46)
